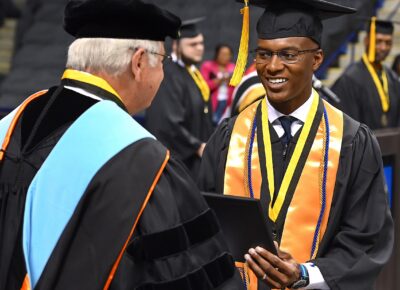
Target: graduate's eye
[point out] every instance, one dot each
(289, 55)
(263, 54)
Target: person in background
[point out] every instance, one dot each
(317, 172)
(396, 65)
(88, 198)
(217, 73)
(181, 116)
(368, 90)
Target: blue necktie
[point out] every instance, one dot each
(286, 122)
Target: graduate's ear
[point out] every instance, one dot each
(138, 63)
(318, 59)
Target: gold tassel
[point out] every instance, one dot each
(241, 61)
(372, 40)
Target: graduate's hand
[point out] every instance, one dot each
(277, 271)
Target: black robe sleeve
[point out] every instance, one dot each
(211, 174)
(359, 238)
(167, 116)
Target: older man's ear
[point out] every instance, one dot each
(137, 63)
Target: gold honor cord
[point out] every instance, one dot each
(200, 82)
(89, 79)
(274, 211)
(382, 90)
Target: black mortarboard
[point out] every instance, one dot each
(189, 28)
(381, 26)
(286, 18)
(126, 19)
(290, 18)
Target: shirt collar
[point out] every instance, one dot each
(300, 113)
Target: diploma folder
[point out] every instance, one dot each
(243, 223)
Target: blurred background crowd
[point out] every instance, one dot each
(32, 38)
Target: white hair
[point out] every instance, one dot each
(110, 55)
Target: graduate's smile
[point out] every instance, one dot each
(276, 83)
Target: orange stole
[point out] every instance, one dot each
(300, 223)
(308, 191)
(236, 169)
(236, 173)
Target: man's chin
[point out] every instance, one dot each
(190, 60)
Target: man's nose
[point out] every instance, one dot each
(275, 64)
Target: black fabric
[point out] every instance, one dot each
(296, 18)
(179, 117)
(18, 168)
(359, 97)
(359, 236)
(189, 27)
(175, 240)
(56, 116)
(382, 27)
(286, 123)
(324, 9)
(103, 219)
(211, 276)
(119, 19)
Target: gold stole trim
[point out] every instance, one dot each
(248, 277)
(200, 82)
(235, 179)
(300, 222)
(256, 92)
(90, 79)
(383, 91)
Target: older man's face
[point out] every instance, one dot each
(285, 73)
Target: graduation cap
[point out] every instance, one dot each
(287, 18)
(377, 26)
(125, 19)
(189, 27)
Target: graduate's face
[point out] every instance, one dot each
(191, 50)
(383, 46)
(288, 85)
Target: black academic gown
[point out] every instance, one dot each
(359, 97)
(179, 117)
(359, 236)
(177, 241)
